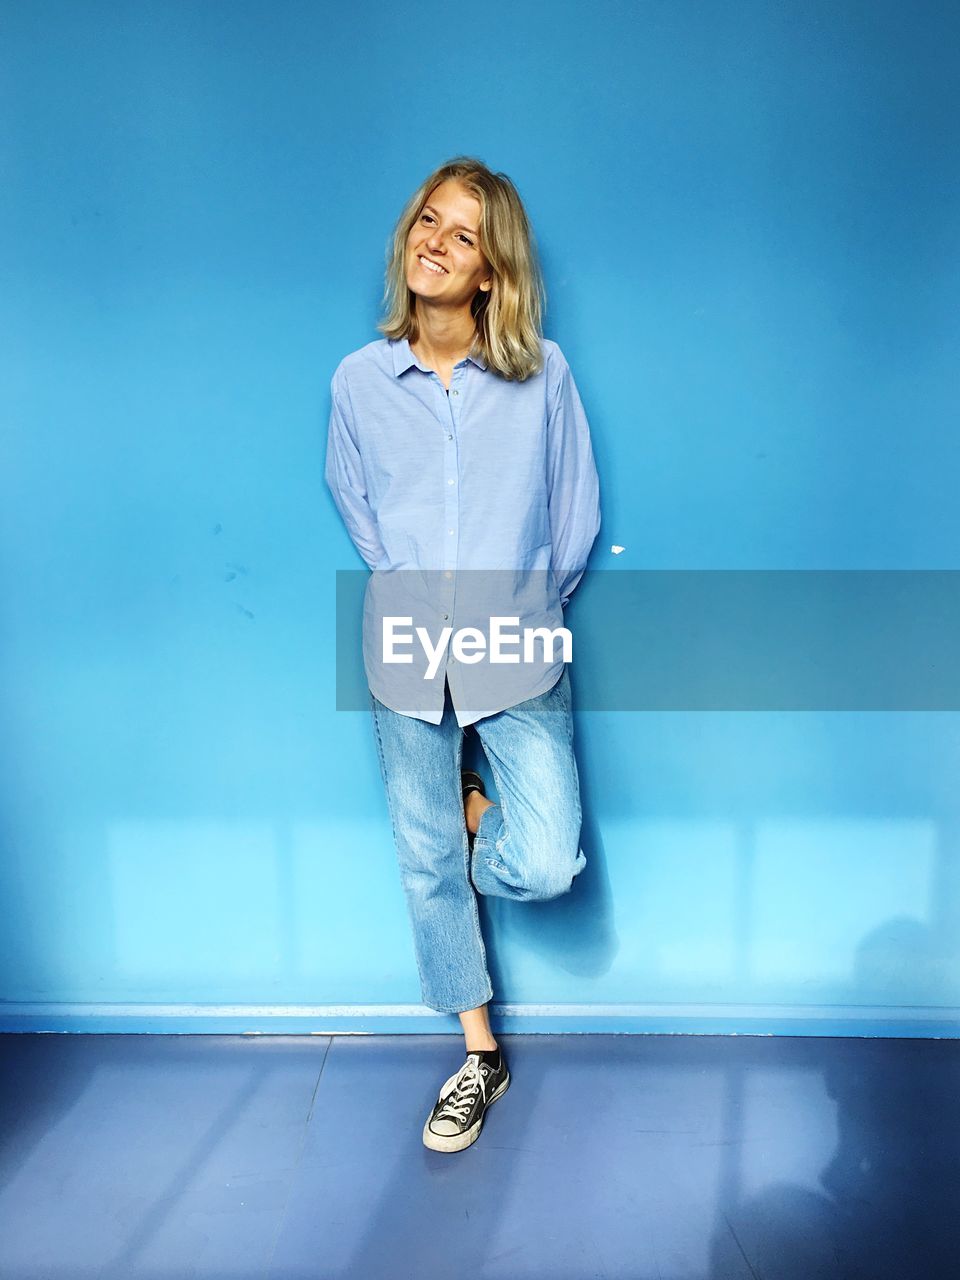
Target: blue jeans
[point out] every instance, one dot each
(527, 846)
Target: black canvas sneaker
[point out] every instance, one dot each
(470, 780)
(457, 1117)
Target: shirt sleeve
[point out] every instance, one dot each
(573, 486)
(345, 478)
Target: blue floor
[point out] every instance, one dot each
(642, 1157)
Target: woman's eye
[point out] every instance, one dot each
(466, 239)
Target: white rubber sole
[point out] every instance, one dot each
(457, 1141)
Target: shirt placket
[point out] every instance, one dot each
(450, 421)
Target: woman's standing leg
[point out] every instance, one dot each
(420, 766)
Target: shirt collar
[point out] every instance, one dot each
(403, 357)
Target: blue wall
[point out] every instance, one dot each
(747, 215)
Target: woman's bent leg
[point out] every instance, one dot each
(528, 845)
(420, 766)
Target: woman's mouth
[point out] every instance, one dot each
(430, 266)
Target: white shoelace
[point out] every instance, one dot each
(467, 1083)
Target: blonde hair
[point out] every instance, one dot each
(508, 315)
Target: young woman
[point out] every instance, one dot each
(459, 458)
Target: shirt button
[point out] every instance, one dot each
(456, 393)
(449, 531)
(449, 437)
(449, 482)
(446, 616)
(447, 574)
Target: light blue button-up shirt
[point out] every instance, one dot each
(466, 504)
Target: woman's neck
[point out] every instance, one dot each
(444, 342)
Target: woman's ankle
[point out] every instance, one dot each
(474, 809)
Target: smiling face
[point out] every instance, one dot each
(446, 234)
